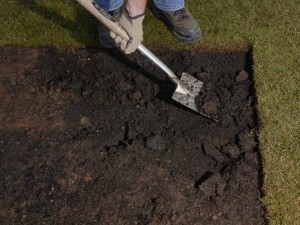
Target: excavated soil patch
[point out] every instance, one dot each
(93, 137)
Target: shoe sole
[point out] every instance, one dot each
(185, 39)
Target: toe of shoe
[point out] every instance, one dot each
(188, 34)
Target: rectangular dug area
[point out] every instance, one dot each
(93, 137)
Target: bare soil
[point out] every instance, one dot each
(92, 137)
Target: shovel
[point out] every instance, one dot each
(187, 88)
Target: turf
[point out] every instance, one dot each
(270, 28)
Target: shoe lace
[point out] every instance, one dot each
(181, 15)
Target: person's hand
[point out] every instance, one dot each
(134, 28)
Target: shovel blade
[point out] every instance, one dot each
(187, 90)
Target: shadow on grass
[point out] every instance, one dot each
(82, 28)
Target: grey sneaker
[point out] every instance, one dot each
(103, 32)
(181, 23)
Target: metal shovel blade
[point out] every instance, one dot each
(187, 90)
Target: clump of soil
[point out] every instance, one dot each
(93, 137)
(208, 103)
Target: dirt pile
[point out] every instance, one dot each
(91, 137)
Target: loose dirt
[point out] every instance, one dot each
(93, 137)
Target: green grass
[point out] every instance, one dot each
(270, 27)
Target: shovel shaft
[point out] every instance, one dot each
(147, 53)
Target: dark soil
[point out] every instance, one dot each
(93, 137)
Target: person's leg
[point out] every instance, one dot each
(110, 5)
(179, 20)
(169, 5)
(113, 7)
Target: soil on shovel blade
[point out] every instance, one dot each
(93, 137)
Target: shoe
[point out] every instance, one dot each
(181, 23)
(103, 32)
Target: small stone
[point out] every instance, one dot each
(85, 121)
(137, 95)
(233, 150)
(242, 75)
(156, 143)
(124, 86)
(215, 217)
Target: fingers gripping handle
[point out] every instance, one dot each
(104, 18)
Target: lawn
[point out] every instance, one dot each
(270, 28)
